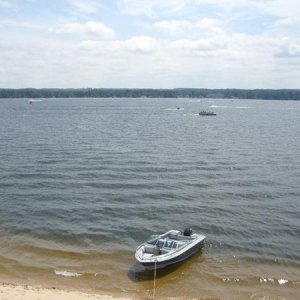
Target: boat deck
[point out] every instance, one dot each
(166, 244)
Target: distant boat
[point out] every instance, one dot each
(169, 248)
(207, 113)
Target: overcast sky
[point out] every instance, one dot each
(150, 43)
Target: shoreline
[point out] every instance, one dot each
(26, 292)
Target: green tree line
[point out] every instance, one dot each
(268, 94)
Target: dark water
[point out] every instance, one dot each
(84, 181)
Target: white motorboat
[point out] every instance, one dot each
(169, 248)
(207, 113)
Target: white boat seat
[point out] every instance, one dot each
(164, 251)
(149, 249)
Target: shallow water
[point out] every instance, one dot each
(84, 181)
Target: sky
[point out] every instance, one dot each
(150, 44)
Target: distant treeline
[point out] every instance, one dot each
(283, 94)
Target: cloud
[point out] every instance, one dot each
(134, 45)
(160, 8)
(282, 8)
(227, 3)
(29, 25)
(287, 27)
(227, 61)
(152, 8)
(90, 29)
(176, 41)
(86, 6)
(289, 50)
(141, 44)
(5, 4)
(206, 26)
(276, 8)
(204, 47)
(173, 27)
(240, 49)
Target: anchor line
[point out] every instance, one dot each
(154, 279)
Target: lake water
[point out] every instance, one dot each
(84, 181)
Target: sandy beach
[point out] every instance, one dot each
(14, 292)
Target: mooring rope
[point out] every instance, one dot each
(154, 279)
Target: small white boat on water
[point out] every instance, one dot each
(169, 248)
(207, 113)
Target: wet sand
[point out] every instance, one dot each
(18, 292)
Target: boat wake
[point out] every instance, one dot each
(225, 106)
(174, 108)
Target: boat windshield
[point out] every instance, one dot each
(168, 244)
(153, 239)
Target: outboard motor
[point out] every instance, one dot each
(188, 231)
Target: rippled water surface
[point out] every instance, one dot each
(84, 181)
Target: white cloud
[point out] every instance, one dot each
(227, 61)
(173, 27)
(239, 49)
(90, 29)
(204, 45)
(206, 26)
(152, 8)
(141, 44)
(86, 6)
(227, 3)
(5, 4)
(278, 8)
(30, 25)
(210, 25)
(135, 45)
(285, 27)
(289, 49)
(159, 8)
(282, 8)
